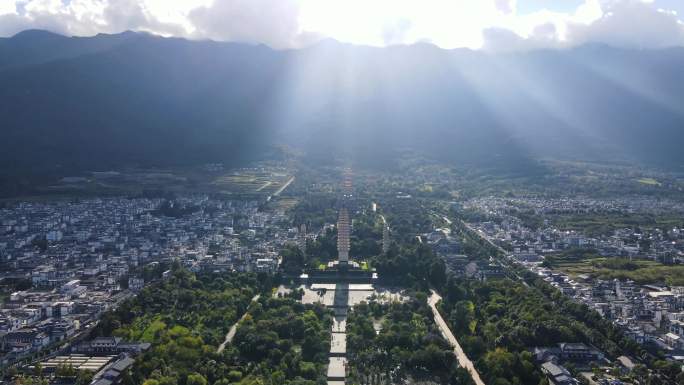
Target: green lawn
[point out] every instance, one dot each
(639, 271)
(149, 334)
(603, 223)
(649, 181)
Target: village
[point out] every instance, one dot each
(63, 264)
(650, 311)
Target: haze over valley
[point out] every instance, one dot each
(134, 99)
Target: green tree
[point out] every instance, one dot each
(84, 377)
(462, 317)
(196, 379)
(38, 370)
(65, 371)
(234, 375)
(293, 259)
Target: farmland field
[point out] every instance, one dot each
(639, 271)
(251, 181)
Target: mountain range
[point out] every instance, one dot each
(107, 101)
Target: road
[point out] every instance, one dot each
(463, 360)
(231, 333)
(505, 263)
(264, 186)
(486, 238)
(275, 194)
(502, 260)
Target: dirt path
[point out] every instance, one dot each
(231, 333)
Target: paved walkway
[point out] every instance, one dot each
(337, 365)
(231, 333)
(463, 360)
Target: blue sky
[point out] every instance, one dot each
(674, 5)
(530, 6)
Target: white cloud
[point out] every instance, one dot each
(491, 24)
(631, 23)
(122, 15)
(447, 23)
(7, 7)
(11, 23)
(621, 23)
(505, 6)
(272, 22)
